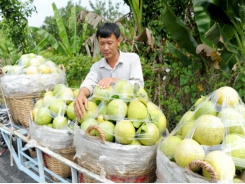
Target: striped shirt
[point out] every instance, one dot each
(128, 67)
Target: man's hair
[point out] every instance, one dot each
(106, 29)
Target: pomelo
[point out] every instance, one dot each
(124, 89)
(100, 94)
(223, 165)
(226, 96)
(47, 99)
(108, 129)
(135, 142)
(90, 113)
(186, 151)
(58, 106)
(117, 109)
(137, 110)
(70, 111)
(233, 120)
(85, 124)
(188, 126)
(205, 107)
(149, 134)
(59, 122)
(43, 116)
(209, 130)
(235, 143)
(168, 146)
(124, 132)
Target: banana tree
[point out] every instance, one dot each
(65, 45)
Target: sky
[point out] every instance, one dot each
(44, 9)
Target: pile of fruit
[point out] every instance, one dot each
(53, 110)
(30, 64)
(213, 130)
(125, 115)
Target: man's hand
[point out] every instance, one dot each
(81, 103)
(106, 82)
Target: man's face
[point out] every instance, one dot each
(109, 46)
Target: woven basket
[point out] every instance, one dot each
(20, 108)
(129, 176)
(58, 167)
(205, 165)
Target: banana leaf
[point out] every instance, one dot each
(73, 28)
(176, 52)
(48, 39)
(62, 31)
(179, 32)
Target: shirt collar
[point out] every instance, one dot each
(104, 64)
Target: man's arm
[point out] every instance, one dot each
(136, 74)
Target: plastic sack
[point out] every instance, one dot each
(22, 85)
(119, 163)
(211, 131)
(53, 139)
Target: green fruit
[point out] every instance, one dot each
(168, 146)
(209, 130)
(222, 164)
(235, 143)
(90, 113)
(102, 93)
(85, 124)
(135, 142)
(149, 134)
(226, 97)
(232, 119)
(59, 122)
(124, 132)
(206, 107)
(186, 151)
(137, 110)
(70, 111)
(108, 129)
(124, 89)
(43, 116)
(58, 107)
(117, 109)
(186, 129)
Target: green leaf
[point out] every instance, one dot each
(48, 38)
(73, 27)
(180, 33)
(62, 30)
(182, 57)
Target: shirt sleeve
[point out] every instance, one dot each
(136, 75)
(91, 79)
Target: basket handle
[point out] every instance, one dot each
(205, 165)
(98, 129)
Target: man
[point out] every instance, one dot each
(114, 66)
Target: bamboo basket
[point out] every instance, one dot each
(20, 108)
(129, 176)
(58, 167)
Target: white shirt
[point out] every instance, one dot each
(128, 67)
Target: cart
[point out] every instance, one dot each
(33, 165)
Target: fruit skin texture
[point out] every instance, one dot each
(108, 129)
(168, 146)
(43, 116)
(124, 132)
(223, 165)
(137, 110)
(85, 124)
(124, 89)
(88, 114)
(235, 143)
(149, 135)
(186, 151)
(205, 107)
(209, 130)
(231, 116)
(226, 96)
(100, 93)
(57, 106)
(117, 108)
(70, 111)
(59, 122)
